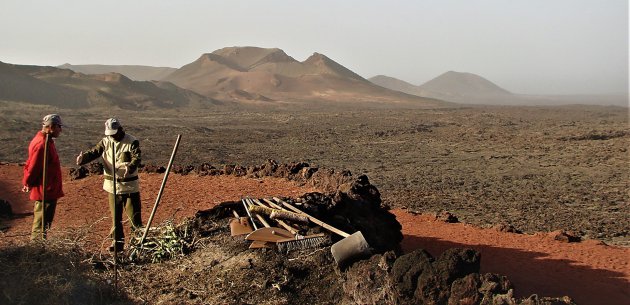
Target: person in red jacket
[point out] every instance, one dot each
(34, 172)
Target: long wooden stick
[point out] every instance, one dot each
(248, 213)
(115, 214)
(313, 219)
(157, 200)
(44, 186)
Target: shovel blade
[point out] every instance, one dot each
(350, 249)
(240, 226)
(270, 234)
(258, 244)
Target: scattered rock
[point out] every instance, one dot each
(368, 282)
(565, 236)
(5, 209)
(405, 273)
(508, 228)
(465, 290)
(596, 135)
(417, 278)
(446, 216)
(95, 168)
(494, 284)
(182, 170)
(152, 168)
(78, 173)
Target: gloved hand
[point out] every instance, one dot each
(80, 158)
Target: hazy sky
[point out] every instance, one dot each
(524, 46)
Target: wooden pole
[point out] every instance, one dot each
(115, 214)
(47, 136)
(157, 200)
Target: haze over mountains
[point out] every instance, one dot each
(228, 76)
(458, 87)
(450, 83)
(68, 89)
(452, 86)
(133, 72)
(468, 88)
(252, 76)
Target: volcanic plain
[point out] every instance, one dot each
(529, 169)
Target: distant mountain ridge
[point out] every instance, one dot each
(397, 84)
(468, 88)
(231, 75)
(463, 84)
(68, 89)
(18, 85)
(459, 87)
(269, 74)
(253, 75)
(254, 69)
(134, 72)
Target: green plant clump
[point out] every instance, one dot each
(162, 243)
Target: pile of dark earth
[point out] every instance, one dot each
(223, 270)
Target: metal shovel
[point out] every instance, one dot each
(239, 225)
(268, 233)
(351, 247)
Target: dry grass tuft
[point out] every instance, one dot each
(55, 271)
(61, 271)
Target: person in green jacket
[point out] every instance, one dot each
(127, 161)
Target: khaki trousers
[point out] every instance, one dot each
(36, 231)
(131, 204)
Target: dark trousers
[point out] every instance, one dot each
(50, 206)
(131, 205)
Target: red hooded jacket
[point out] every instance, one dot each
(33, 169)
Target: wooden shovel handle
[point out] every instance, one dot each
(273, 204)
(263, 221)
(313, 219)
(248, 213)
(282, 223)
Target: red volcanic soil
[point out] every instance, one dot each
(590, 272)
